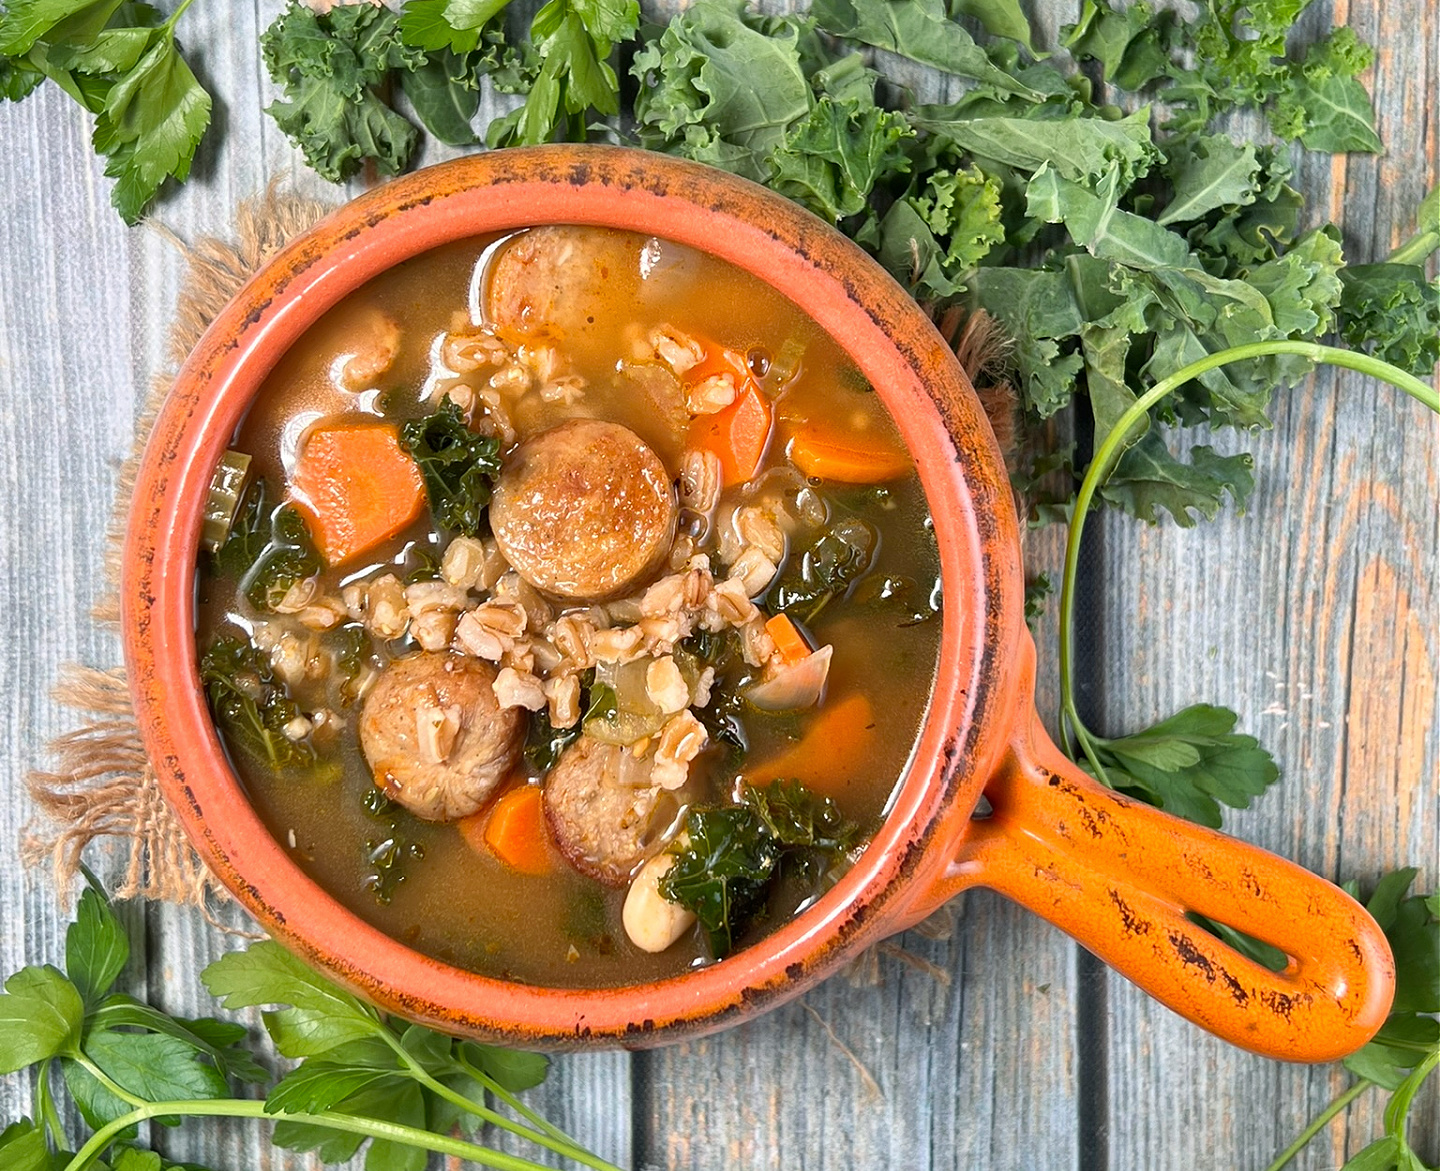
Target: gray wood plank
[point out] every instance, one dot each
(1315, 617)
(982, 1071)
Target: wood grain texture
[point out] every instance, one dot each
(1315, 616)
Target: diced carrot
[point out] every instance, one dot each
(738, 435)
(848, 458)
(788, 640)
(356, 486)
(513, 829)
(834, 750)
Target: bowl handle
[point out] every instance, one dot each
(1119, 876)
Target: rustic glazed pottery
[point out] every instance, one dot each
(1118, 876)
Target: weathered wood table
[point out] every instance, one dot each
(1316, 617)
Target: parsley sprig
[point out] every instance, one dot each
(1406, 1051)
(120, 61)
(362, 1077)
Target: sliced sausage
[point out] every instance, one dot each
(584, 510)
(435, 737)
(555, 280)
(602, 810)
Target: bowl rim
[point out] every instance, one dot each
(826, 276)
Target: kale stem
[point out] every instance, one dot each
(45, 1101)
(1113, 446)
(1416, 249)
(251, 1108)
(1318, 1123)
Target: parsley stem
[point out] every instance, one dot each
(45, 1107)
(253, 1108)
(1114, 445)
(169, 25)
(550, 1138)
(1399, 1105)
(537, 1119)
(107, 1081)
(1319, 1123)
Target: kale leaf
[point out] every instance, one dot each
(544, 742)
(838, 558)
(458, 467)
(288, 557)
(332, 68)
(250, 704)
(1393, 312)
(728, 857)
(388, 855)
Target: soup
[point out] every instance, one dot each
(573, 606)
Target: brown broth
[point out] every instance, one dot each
(462, 905)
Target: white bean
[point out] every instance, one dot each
(651, 920)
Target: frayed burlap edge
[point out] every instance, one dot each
(102, 785)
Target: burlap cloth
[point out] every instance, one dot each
(101, 784)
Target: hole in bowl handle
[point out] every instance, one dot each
(1120, 876)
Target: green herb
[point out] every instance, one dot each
(1189, 764)
(1037, 589)
(1406, 1051)
(458, 467)
(833, 562)
(389, 855)
(122, 64)
(566, 70)
(728, 857)
(362, 1076)
(251, 706)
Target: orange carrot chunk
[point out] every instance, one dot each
(356, 486)
(834, 750)
(513, 829)
(849, 458)
(738, 435)
(788, 640)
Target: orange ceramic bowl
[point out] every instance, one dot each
(1118, 876)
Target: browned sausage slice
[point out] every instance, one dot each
(435, 737)
(584, 510)
(603, 820)
(556, 280)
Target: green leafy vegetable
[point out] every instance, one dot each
(122, 64)
(332, 68)
(406, 1090)
(458, 467)
(390, 854)
(96, 946)
(728, 857)
(919, 29)
(40, 1017)
(1190, 763)
(833, 562)
(251, 706)
(1406, 1050)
